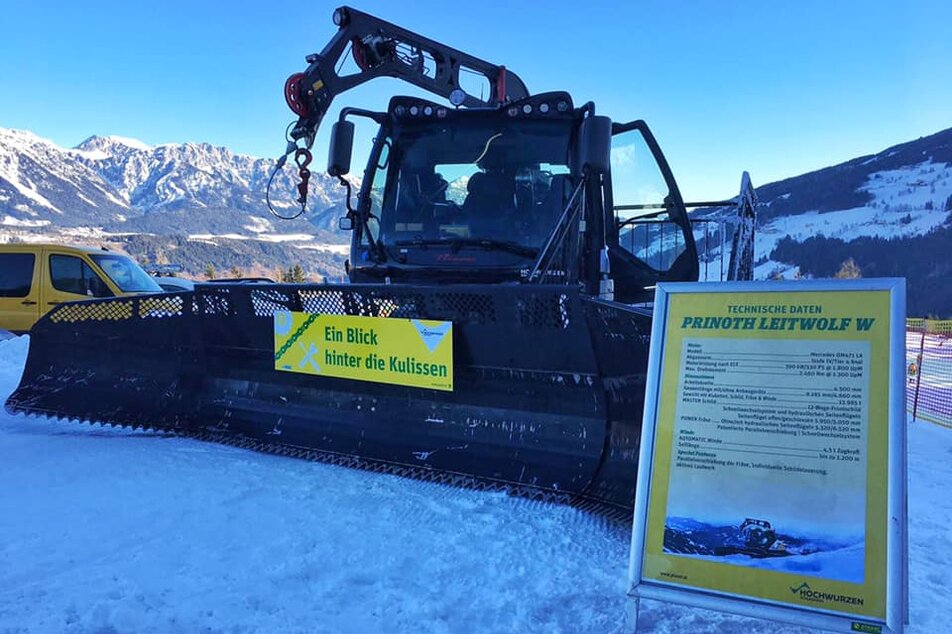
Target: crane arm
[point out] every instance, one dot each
(381, 49)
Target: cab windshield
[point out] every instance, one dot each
(126, 274)
(488, 182)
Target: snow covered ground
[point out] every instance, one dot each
(105, 530)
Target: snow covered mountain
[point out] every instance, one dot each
(192, 204)
(192, 175)
(891, 213)
(42, 184)
(108, 181)
(902, 192)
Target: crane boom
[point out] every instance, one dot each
(382, 49)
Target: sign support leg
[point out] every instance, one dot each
(633, 606)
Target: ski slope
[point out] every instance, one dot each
(105, 530)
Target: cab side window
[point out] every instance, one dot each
(16, 274)
(642, 203)
(70, 274)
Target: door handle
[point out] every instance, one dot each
(27, 302)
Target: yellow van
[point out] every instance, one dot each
(36, 277)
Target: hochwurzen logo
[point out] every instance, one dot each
(805, 592)
(431, 335)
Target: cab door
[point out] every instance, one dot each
(19, 288)
(650, 237)
(69, 278)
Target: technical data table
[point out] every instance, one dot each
(754, 407)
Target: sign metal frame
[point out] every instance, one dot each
(896, 555)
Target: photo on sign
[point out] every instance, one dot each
(757, 543)
(768, 463)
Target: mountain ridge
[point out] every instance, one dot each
(842, 183)
(180, 200)
(107, 179)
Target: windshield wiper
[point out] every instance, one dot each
(488, 244)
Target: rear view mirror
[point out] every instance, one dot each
(596, 142)
(342, 146)
(345, 223)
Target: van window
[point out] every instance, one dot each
(126, 274)
(16, 274)
(71, 275)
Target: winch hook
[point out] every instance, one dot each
(303, 157)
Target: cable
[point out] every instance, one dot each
(277, 167)
(267, 192)
(486, 147)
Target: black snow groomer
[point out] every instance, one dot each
(487, 337)
(757, 539)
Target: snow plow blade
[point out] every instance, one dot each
(547, 399)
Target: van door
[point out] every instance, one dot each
(71, 278)
(19, 289)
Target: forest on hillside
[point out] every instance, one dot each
(249, 257)
(924, 261)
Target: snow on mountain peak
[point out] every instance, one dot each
(109, 179)
(21, 138)
(130, 142)
(100, 147)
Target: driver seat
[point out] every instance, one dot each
(490, 203)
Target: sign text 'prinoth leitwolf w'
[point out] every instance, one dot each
(772, 468)
(413, 352)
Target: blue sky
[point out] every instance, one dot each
(774, 88)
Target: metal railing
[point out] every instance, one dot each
(929, 370)
(713, 237)
(646, 237)
(657, 242)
